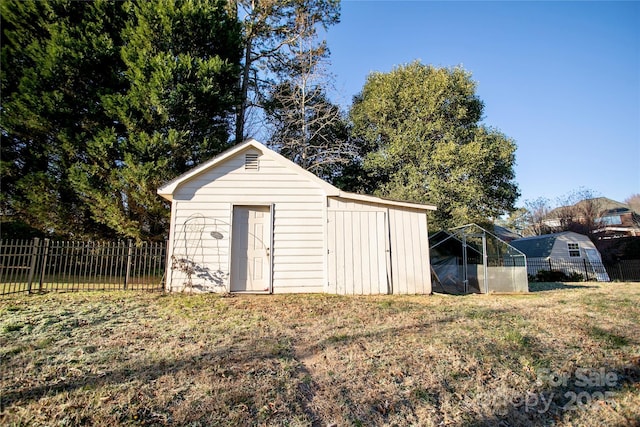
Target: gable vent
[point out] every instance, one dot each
(251, 162)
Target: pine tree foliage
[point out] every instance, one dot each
(103, 101)
(58, 59)
(181, 62)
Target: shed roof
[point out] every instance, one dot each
(541, 246)
(167, 189)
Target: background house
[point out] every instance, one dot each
(600, 216)
(505, 234)
(614, 227)
(250, 220)
(569, 252)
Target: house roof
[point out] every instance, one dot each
(505, 234)
(602, 205)
(167, 189)
(540, 246)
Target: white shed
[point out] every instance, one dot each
(566, 251)
(250, 220)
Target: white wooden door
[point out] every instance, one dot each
(251, 237)
(358, 256)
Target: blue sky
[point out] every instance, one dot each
(560, 78)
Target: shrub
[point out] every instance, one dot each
(556, 276)
(551, 276)
(576, 277)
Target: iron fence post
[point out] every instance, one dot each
(620, 270)
(45, 255)
(128, 270)
(33, 262)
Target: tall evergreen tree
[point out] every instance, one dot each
(102, 101)
(58, 59)
(181, 63)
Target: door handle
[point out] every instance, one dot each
(268, 252)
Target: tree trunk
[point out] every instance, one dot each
(244, 91)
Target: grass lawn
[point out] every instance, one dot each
(561, 355)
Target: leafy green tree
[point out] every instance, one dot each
(517, 220)
(421, 140)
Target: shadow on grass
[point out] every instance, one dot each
(552, 286)
(582, 388)
(254, 360)
(542, 404)
(538, 404)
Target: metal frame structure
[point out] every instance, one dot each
(476, 239)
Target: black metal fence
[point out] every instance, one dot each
(583, 269)
(625, 270)
(49, 265)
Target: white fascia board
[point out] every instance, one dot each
(373, 199)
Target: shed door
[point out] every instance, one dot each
(596, 265)
(251, 237)
(358, 256)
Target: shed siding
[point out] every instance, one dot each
(560, 248)
(337, 203)
(204, 205)
(408, 242)
(409, 251)
(357, 252)
(192, 241)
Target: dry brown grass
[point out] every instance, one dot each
(150, 359)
